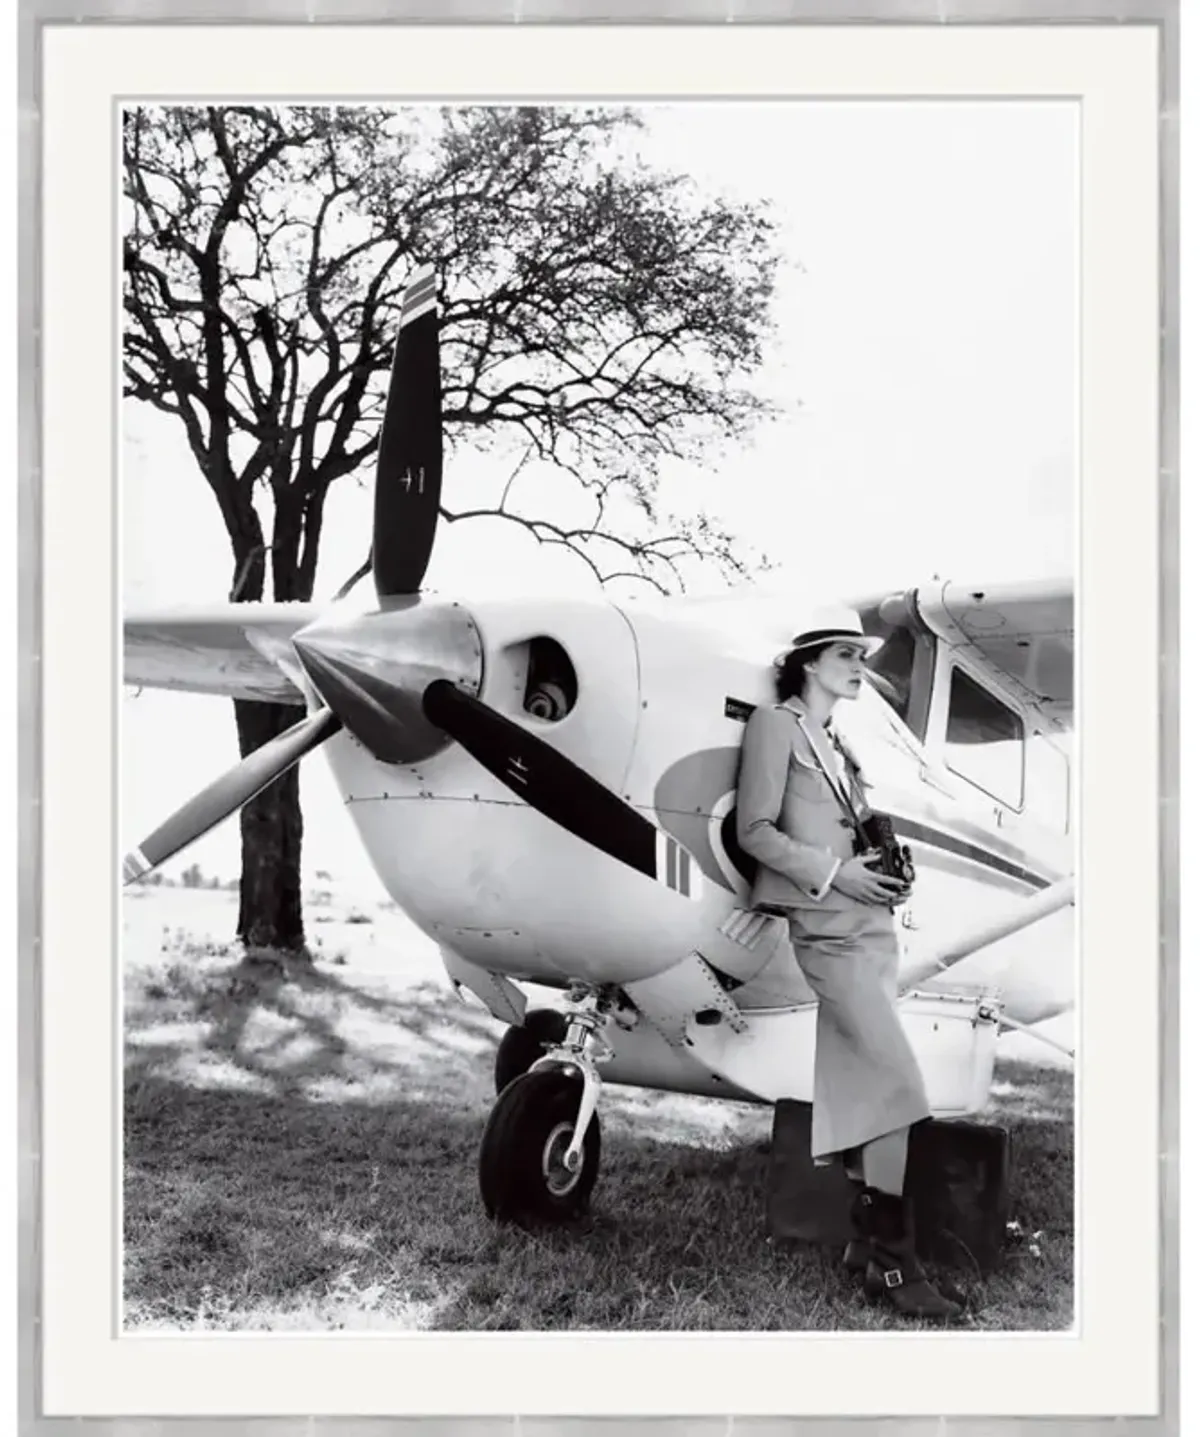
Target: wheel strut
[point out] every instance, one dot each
(583, 1047)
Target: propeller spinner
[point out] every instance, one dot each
(373, 671)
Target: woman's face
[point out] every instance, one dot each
(838, 670)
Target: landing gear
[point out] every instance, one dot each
(540, 1153)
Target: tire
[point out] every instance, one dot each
(522, 1046)
(530, 1124)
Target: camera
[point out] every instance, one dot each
(895, 858)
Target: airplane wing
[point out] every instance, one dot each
(237, 651)
(1024, 630)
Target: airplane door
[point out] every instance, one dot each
(975, 745)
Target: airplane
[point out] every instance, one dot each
(547, 790)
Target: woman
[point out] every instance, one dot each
(867, 1089)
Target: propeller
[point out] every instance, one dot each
(408, 477)
(560, 790)
(398, 679)
(229, 792)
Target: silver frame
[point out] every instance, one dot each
(33, 16)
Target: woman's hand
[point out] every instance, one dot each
(858, 880)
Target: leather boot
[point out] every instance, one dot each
(858, 1250)
(894, 1274)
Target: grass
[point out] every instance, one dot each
(300, 1150)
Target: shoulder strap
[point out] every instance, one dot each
(845, 750)
(838, 791)
(855, 782)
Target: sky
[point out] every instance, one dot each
(925, 359)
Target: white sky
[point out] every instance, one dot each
(926, 350)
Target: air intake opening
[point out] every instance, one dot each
(551, 687)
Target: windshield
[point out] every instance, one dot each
(902, 670)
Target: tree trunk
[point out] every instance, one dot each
(270, 913)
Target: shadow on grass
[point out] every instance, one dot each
(286, 1025)
(250, 1209)
(301, 1152)
(244, 1206)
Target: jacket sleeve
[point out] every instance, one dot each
(766, 753)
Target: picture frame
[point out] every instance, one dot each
(1121, 65)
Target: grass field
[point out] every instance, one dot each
(300, 1149)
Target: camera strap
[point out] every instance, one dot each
(838, 791)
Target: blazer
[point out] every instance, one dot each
(788, 820)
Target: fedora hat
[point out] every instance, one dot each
(835, 625)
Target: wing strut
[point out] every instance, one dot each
(1022, 913)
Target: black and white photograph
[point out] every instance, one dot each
(597, 740)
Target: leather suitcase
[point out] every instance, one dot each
(957, 1179)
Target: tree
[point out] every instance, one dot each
(597, 316)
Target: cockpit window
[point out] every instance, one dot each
(985, 740)
(892, 668)
(902, 670)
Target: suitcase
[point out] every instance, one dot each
(957, 1179)
(805, 1203)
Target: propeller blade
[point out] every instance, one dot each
(408, 479)
(560, 790)
(229, 792)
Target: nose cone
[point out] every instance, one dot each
(373, 669)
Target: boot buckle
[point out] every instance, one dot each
(893, 1277)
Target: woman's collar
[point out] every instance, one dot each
(797, 707)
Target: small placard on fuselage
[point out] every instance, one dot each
(738, 709)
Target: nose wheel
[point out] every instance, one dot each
(524, 1172)
(540, 1154)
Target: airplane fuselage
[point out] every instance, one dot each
(657, 715)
